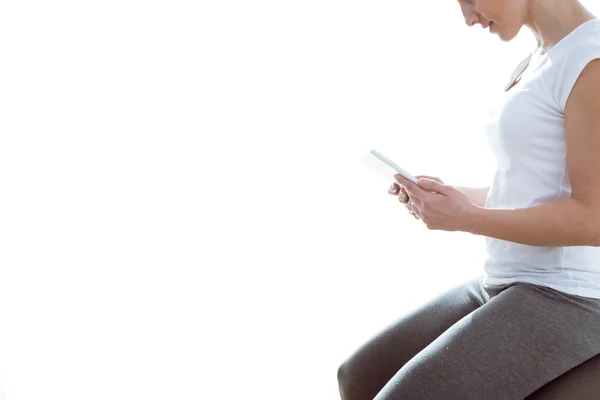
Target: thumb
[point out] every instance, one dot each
(435, 186)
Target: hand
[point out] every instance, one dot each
(441, 207)
(404, 198)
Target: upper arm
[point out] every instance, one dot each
(582, 120)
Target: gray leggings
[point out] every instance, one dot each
(512, 342)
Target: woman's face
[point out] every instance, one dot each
(506, 17)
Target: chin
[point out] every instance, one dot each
(507, 37)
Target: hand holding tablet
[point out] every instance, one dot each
(454, 202)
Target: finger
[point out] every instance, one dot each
(416, 215)
(433, 178)
(403, 199)
(412, 188)
(415, 209)
(416, 203)
(399, 187)
(421, 190)
(410, 205)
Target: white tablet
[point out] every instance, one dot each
(385, 167)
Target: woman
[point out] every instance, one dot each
(529, 327)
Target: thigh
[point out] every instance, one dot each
(579, 383)
(370, 367)
(520, 340)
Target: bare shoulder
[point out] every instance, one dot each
(584, 95)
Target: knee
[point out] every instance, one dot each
(355, 383)
(349, 384)
(343, 381)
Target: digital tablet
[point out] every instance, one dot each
(385, 167)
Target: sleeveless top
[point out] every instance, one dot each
(527, 137)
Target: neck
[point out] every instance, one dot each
(551, 20)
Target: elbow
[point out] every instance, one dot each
(596, 242)
(589, 223)
(596, 238)
(596, 234)
(593, 226)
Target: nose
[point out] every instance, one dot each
(472, 20)
(472, 17)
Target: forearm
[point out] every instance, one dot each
(563, 222)
(476, 195)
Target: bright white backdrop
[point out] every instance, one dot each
(183, 211)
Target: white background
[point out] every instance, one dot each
(183, 210)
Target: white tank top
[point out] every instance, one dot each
(528, 139)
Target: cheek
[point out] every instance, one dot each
(485, 8)
(492, 9)
(507, 12)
